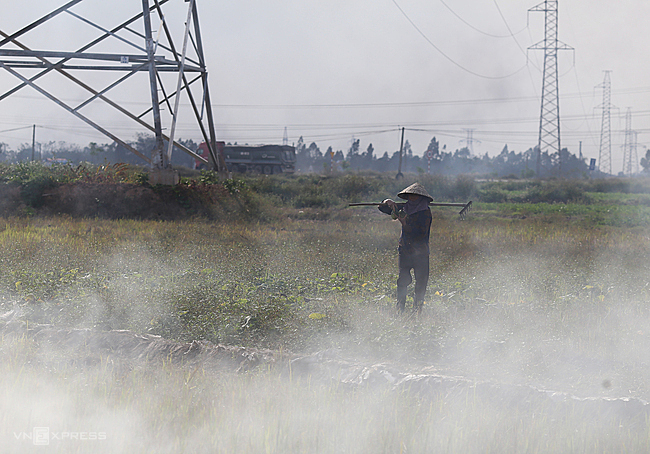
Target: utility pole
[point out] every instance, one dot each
(580, 149)
(549, 119)
(605, 150)
(401, 147)
(33, 141)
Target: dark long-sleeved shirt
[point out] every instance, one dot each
(415, 231)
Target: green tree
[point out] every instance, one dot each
(314, 151)
(434, 147)
(353, 150)
(95, 149)
(645, 162)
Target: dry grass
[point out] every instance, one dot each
(521, 301)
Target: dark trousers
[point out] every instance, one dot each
(419, 263)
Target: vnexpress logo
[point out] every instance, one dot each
(41, 436)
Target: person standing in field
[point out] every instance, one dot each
(415, 217)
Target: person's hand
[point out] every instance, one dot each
(390, 202)
(401, 216)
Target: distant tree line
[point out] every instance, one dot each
(310, 158)
(95, 153)
(507, 163)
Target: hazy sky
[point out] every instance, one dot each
(331, 71)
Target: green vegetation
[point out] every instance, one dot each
(259, 285)
(51, 190)
(553, 295)
(510, 300)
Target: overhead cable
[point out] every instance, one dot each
(447, 56)
(518, 45)
(17, 129)
(579, 94)
(478, 30)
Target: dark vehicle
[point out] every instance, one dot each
(259, 159)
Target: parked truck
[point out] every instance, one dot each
(258, 159)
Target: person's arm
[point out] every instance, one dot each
(388, 206)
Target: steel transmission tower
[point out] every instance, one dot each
(129, 49)
(630, 158)
(285, 137)
(470, 139)
(605, 151)
(549, 120)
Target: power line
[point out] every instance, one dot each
(524, 138)
(355, 126)
(348, 125)
(476, 29)
(510, 30)
(580, 93)
(530, 74)
(447, 56)
(584, 112)
(17, 129)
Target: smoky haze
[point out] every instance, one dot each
(334, 71)
(533, 337)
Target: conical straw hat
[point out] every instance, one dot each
(417, 189)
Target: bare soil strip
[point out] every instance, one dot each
(87, 347)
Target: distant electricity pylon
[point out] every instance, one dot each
(630, 158)
(470, 139)
(605, 151)
(549, 119)
(133, 48)
(285, 137)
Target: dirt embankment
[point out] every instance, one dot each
(117, 201)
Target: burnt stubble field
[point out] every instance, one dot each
(281, 336)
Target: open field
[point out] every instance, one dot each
(535, 297)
